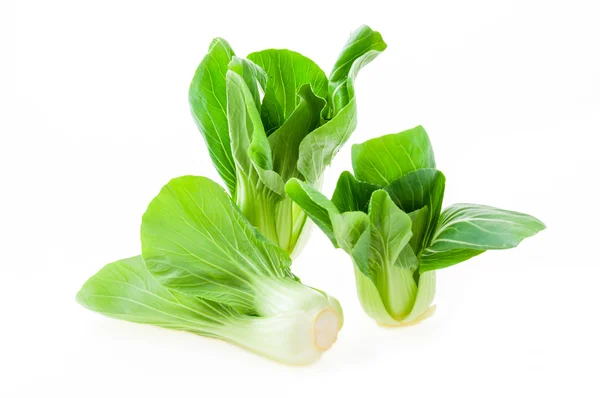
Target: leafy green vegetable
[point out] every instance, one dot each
(208, 101)
(294, 131)
(351, 194)
(126, 290)
(385, 159)
(217, 269)
(423, 191)
(205, 269)
(465, 230)
(388, 218)
(287, 72)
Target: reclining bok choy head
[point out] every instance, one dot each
(388, 217)
(204, 269)
(276, 116)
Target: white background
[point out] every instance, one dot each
(96, 121)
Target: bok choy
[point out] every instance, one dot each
(205, 269)
(388, 217)
(276, 116)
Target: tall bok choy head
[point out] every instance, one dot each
(205, 269)
(276, 116)
(388, 216)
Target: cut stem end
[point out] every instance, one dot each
(326, 329)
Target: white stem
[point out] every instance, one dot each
(297, 338)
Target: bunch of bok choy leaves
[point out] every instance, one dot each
(258, 142)
(388, 217)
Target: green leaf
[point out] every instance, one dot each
(420, 221)
(315, 205)
(415, 190)
(351, 194)
(319, 147)
(372, 302)
(349, 227)
(287, 71)
(436, 260)
(126, 290)
(208, 102)
(363, 45)
(390, 231)
(285, 141)
(384, 159)
(390, 261)
(250, 144)
(195, 240)
(465, 230)
(253, 76)
(361, 253)
(396, 284)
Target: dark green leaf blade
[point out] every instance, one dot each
(363, 44)
(465, 230)
(384, 159)
(208, 102)
(420, 221)
(285, 141)
(415, 190)
(319, 147)
(351, 194)
(287, 71)
(430, 260)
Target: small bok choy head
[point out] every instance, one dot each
(388, 217)
(204, 269)
(276, 116)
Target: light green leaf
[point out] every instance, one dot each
(363, 45)
(390, 231)
(253, 76)
(415, 190)
(349, 227)
(396, 284)
(195, 240)
(315, 205)
(285, 141)
(372, 302)
(319, 147)
(287, 71)
(384, 256)
(351, 194)
(384, 159)
(465, 230)
(370, 298)
(208, 102)
(289, 222)
(250, 144)
(361, 254)
(126, 290)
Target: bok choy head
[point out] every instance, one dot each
(276, 116)
(388, 217)
(204, 269)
